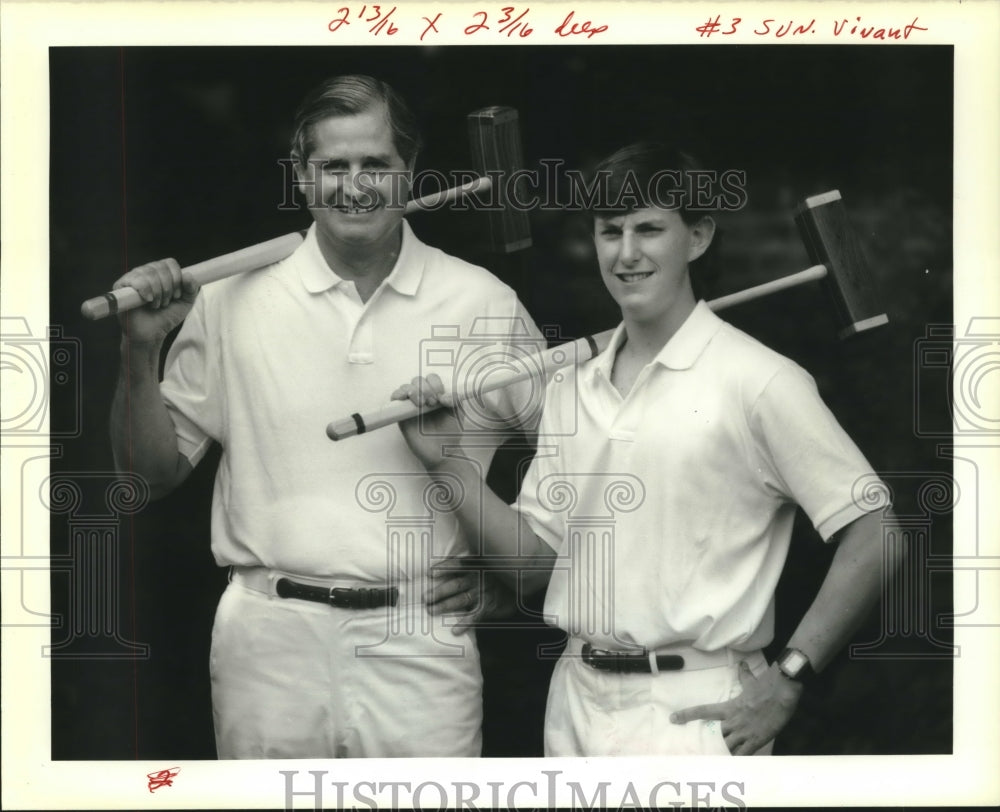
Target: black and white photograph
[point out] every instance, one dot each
(502, 407)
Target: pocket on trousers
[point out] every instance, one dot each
(716, 741)
(223, 612)
(713, 727)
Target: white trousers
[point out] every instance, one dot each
(600, 713)
(296, 679)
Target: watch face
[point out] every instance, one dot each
(793, 661)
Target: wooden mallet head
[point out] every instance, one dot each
(832, 243)
(495, 143)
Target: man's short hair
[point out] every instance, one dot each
(653, 173)
(646, 173)
(351, 95)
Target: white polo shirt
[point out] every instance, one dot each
(267, 359)
(672, 509)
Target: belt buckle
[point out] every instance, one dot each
(615, 661)
(603, 659)
(340, 597)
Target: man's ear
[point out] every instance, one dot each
(702, 233)
(408, 178)
(305, 185)
(297, 165)
(411, 173)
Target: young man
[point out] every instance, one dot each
(664, 499)
(323, 645)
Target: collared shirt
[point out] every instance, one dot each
(671, 509)
(266, 360)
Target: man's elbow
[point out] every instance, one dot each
(172, 479)
(160, 479)
(536, 577)
(879, 543)
(160, 490)
(896, 550)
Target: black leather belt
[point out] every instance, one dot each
(621, 662)
(341, 597)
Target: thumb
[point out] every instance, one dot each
(685, 715)
(436, 384)
(190, 287)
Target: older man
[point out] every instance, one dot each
(330, 640)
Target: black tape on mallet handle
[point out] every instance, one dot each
(536, 366)
(256, 256)
(548, 361)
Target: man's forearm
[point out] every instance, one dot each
(143, 440)
(493, 526)
(849, 591)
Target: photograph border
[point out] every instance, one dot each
(32, 781)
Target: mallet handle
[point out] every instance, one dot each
(544, 362)
(246, 259)
(583, 349)
(255, 256)
(436, 199)
(813, 274)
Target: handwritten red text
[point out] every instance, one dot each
(431, 25)
(779, 29)
(710, 26)
(875, 31)
(382, 20)
(565, 29)
(508, 24)
(162, 778)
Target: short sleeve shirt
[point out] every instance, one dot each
(671, 509)
(266, 360)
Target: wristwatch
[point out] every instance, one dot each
(795, 665)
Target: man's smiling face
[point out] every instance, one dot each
(355, 181)
(644, 256)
